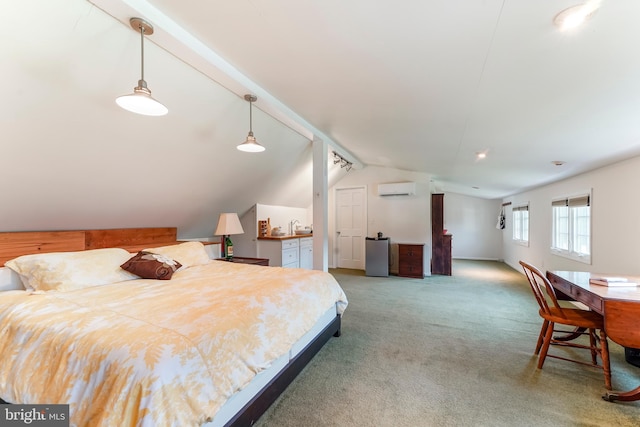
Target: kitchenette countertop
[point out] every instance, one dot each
(285, 237)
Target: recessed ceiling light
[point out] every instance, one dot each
(481, 155)
(557, 162)
(574, 16)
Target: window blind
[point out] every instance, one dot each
(579, 201)
(576, 201)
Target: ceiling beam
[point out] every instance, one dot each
(180, 43)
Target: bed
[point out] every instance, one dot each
(214, 344)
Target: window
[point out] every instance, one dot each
(571, 227)
(521, 224)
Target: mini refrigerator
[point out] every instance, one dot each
(377, 256)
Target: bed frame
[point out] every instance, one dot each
(132, 239)
(14, 244)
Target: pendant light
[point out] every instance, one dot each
(140, 101)
(250, 145)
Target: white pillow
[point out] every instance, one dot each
(10, 280)
(66, 271)
(188, 254)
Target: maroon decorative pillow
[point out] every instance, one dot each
(151, 266)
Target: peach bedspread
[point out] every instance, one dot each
(156, 353)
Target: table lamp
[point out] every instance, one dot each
(228, 224)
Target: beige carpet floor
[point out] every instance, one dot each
(447, 351)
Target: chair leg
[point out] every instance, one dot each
(545, 345)
(543, 331)
(606, 364)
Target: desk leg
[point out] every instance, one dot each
(627, 396)
(604, 354)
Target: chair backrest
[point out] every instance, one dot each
(622, 322)
(542, 289)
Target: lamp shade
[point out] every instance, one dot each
(141, 102)
(250, 145)
(228, 224)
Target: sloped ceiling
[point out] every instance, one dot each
(417, 85)
(71, 158)
(424, 85)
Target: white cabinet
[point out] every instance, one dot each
(290, 252)
(281, 253)
(306, 253)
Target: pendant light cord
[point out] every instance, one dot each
(250, 117)
(142, 51)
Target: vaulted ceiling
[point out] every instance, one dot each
(417, 85)
(425, 85)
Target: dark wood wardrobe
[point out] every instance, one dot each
(441, 242)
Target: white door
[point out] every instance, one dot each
(351, 227)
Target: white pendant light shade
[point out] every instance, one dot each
(141, 101)
(250, 145)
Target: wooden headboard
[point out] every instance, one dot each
(14, 244)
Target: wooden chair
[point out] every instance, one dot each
(622, 324)
(552, 313)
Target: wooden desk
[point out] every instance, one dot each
(575, 285)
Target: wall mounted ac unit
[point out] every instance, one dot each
(397, 189)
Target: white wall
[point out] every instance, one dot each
(615, 227)
(72, 159)
(405, 219)
(279, 216)
(472, 222)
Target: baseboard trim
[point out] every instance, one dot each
(478, 259)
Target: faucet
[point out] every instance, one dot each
(291, 224)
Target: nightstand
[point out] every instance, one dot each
(246, 260)
(410, 263)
